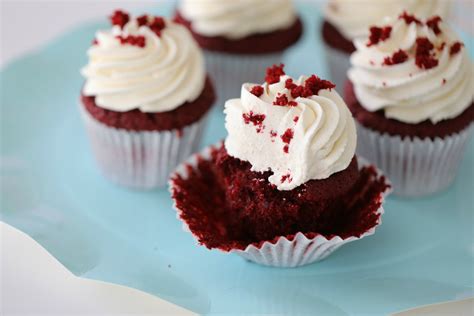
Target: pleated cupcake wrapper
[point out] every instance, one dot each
(338, 63)
(282, 252)
(416, 167)
(230, 71)
(140, 160)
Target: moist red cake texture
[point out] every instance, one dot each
(275, 41)
(228, 206)
(335, 39)
(182, 116)
(426, 129)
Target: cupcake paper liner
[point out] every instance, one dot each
(230, 71)
(416, 167)
(284, 252)
(140, 159)
(338, 63)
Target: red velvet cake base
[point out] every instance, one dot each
(227, 206)
(136, 120)
(335, 39)
(426, 129)
(254, 44)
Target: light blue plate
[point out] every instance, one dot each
(51, 189)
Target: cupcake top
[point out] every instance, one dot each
(236, 19)
(300, 129)
(147, 63)
(413, 69)
(353, 18)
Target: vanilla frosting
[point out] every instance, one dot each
(353, 17)
(167, 72)
(405, 91)
(311, 140)
(236, 19)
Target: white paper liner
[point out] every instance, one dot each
(338, 63)
(230, 71)
(416, 167)
(283, 253)
(140, 160)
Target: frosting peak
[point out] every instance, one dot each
(147, 63)
(353, 18)
(419, 71)
(234, 19)
(300, 130)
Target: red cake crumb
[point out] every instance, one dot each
(295, 119)
(281, 100)
(255, 119)
(424, 58)
(136, 120)
(257, 91)
(228, 206)
(273, 133)
(261, 43)
(286, 177)
(157, 25)
(95, 41)
(409, 18)
(142, 20)
(286, 149)
(426, 129)
(433, 23)
(314, 84)
(455, 48)
(119, 18)
(289, 84)
(273, 73)
(397, 58)
(133, 40)
(292, 103)
(287, 136)
(297, 91)
(378, 34)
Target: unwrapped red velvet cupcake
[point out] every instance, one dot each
(240, 37)
(285, 189)
(411, 92)
(145, 98)
(347, 20)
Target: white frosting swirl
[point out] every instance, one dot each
(405, 91)
(234, 19)
(159, 77)
(353, 18)
(323, 140)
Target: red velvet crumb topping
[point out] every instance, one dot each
(255, 119)
(273, 133)
(157, 25)
(433, 23)
(289, 84)
(138, 40)
(441, 47)
(287, 136)
(424, 58)
(295, 119)
(292, 103)
(409, 18)
(95, 41)
(315, 84)
(281, 100)
(273, 73)
(455, 48)
(142, 20)
(257, 91)
(286, 177)
(378, 34)
(119, 18)
(397, 58)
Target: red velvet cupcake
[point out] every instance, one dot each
(240, 37)
(145, 99)
(411, 93)
(286, 188)
(347, 20)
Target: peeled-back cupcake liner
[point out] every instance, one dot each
(230, 71)
(415, 166)
(283, 251)
(140, 159)
(338, 63)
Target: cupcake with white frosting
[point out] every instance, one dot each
(145, 98)
(411, 91)
(286, 188)
(348, 20)
(240, 37)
